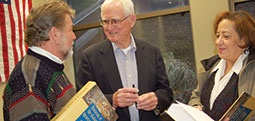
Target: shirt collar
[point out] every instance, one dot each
(236, 67)
(132, 44)
(47, 54)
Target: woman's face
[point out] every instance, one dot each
(228, 41)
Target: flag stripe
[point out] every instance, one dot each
(29, 3)
(24, 11)
(16, 31)
(12, 45)
(4, 42)
(1, 44)
(9, 40)
(1, 54)
(19, 25)
(13, 37)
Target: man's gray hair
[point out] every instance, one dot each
(127, 5)
(42, 18)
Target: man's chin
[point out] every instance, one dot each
(112, 39)
(68, 54)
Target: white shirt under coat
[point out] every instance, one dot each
(219, 84)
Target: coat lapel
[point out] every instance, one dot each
(142, 67)
(109, 64)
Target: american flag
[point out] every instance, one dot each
(12, 24)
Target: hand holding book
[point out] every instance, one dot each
(242, 109)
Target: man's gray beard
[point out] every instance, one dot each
(68, 54)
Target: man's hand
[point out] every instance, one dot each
(227, 119)
(198, 107)
(125, 97)
(147, 101)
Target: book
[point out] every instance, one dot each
(89, 104)
(182, 112)
(242, 109)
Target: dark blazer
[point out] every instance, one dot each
(98, 63)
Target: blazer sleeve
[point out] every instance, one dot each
(84, 73)
(163, 91)
(87, 72)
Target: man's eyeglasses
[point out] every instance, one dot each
(112, 21)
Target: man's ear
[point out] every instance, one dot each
(133, 19)
(54, 34)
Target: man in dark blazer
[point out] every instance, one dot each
(130, 72)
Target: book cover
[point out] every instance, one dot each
(242, 109)
(89, 104)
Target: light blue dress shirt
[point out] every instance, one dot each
(126, 61)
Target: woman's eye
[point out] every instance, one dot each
(226, 36)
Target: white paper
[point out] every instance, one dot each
(182, 112)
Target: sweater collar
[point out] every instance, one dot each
(46, 54)
(53, 64)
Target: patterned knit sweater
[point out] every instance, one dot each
(36, 90)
